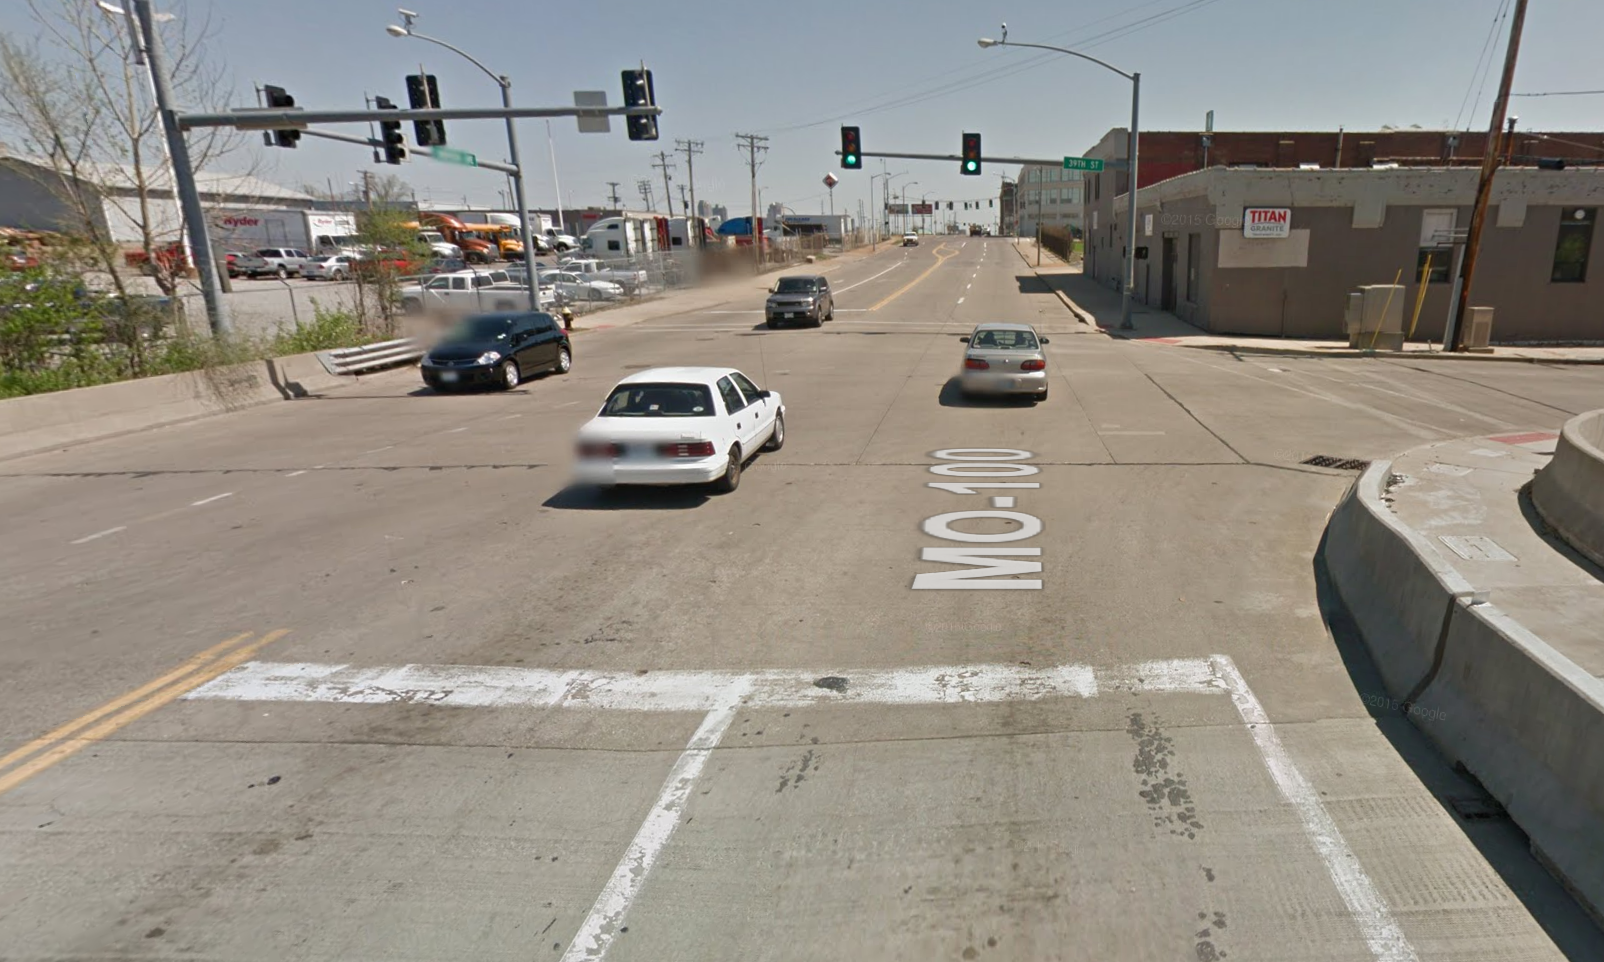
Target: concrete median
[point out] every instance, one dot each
(41, 422)
(1519, 715)
(1569, 492)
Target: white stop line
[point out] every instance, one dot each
(720, 694)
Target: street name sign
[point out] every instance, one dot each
(1092, 164)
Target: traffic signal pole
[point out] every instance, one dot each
(200, 241)
(425, 151)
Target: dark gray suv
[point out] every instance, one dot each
(801, 297)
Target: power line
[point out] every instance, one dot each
(1484, 63)
(691, 149)
(1561, 93)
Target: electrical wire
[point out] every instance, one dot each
(1561, 93)
(1487, 71)
(1487, 44)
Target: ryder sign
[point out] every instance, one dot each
(1266, 222)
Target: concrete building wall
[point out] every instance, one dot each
(1052, 196)
(1354, 228)
(29, 202)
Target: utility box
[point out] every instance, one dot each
(1479, 330)
(1351, 316)
(1380, 310)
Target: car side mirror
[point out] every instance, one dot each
(764, 395)
(1047, 340)
(965, 338)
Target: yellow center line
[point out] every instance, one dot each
(175, 684)
(940, 259)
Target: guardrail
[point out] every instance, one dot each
(371, 357)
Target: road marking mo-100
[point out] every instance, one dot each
(989, 567)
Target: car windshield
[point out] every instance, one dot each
(490, 327)
(1004, 340)
(659, 401)
(795, 285)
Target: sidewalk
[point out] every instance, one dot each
(1486, 631)
(1098, 305)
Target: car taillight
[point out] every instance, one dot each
(599, 449)
(975, 364)
(1033, 366)
(686, 449)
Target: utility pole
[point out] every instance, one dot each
(1484, 186)
(683, 202)
(691, 149)
(200, 241)
(645, 187)
(665, 165)
(612, 185)
(754, 144)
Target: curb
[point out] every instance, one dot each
(1394, 355)
(1074, 308)
(1519, 716)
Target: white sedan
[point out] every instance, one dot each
(679, 425)
(576, 287)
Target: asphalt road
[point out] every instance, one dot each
(675, 725)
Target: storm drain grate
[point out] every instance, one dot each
(1341, 464)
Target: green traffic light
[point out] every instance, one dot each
(852, 159)
(969, 165)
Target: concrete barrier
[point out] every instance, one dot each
(41, 422)
(1520, 717)
(1569, 492)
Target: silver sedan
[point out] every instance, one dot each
(1005, 359)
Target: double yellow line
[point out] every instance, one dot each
(91, 727)
(943, 253)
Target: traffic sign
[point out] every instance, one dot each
(451, 155)
(1083, 163)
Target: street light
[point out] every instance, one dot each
(905, 215)
(922, 226)
(1131, 152)
(505, 84)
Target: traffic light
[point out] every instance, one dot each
(851, 153)
(971, 161)
(280, 98)
(395, 149)
(422, 94)
(638, 93)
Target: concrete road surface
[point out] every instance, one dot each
(363, 677)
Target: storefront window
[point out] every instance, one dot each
(1573, 244)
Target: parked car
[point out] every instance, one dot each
(800, 297)
(1005, 359)
(576, 287)
(679, 425)
(284, 261)
(246, 265)
(595, 269)
(469, 291)
(498, 349)
(328, 267)
(910, 240)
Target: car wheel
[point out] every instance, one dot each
(282, 273)
(818, 318)
(337, 276)
(509, 374)
(565, 361)
(411, 306)
(777, 439)
(732, 474)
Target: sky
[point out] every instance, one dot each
(908, 73)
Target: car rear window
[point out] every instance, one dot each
(659, 401)
(1004, 341)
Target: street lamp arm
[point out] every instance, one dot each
(498, 78)
(1043, 46)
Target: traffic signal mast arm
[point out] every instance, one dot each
(268, 119)
(1038, 161)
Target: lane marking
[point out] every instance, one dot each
(967, 286)
(567, 404)
(1131, 434)
(1381, 932)
(74, 737)
(456, 430)
(943, 254)
(215, 497)
(487, 686)
(377, 450)
(100, 534)
(606, 916)
(960, 300)
(295, 474)
(868, 279)
(509, 417)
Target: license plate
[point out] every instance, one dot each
(448, 376)
(1013, 382)
(788, 316)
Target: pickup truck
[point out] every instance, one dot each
(467, 292)
(595, 269)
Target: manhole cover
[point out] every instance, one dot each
(1341, 464)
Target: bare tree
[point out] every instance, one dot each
(83, 114)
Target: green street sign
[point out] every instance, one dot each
(1083, 163)
(451, 155)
